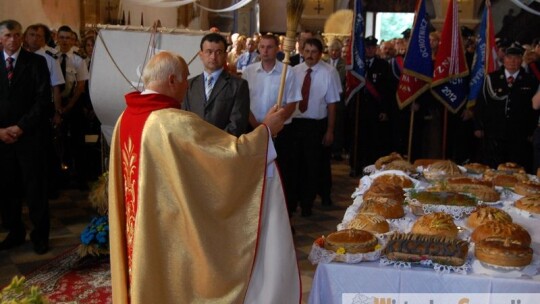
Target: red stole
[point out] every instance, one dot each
(139, 107)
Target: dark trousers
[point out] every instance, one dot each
(23, 177)
(303, 163)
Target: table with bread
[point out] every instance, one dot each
(433, 227)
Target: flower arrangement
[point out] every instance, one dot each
(95, 237)
(17, 293)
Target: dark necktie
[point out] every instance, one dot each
(9, 68)
(305, 91)
(510, 81)
(63, 65)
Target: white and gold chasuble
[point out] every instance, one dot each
(205, 225)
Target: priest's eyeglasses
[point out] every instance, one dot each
(209, 52)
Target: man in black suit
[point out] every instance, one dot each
(505, 119)
(371, 115)
(25, 97)
(215, 95)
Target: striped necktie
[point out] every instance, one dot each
(209, 86)
(9, 68)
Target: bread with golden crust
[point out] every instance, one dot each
(501, 230)
(371, 222)
(417, 247)
(529, 203)
(401, 165)
(510, 167)
(484, 214)
(442, 169)
(352, 240)
(503, 252)
(526, 188)
(379, 163)
(503, 178)
(465, 180)
(388, 208)
(385, 190)
(394, 179)
(476, 168)
(438, 223)
(425, 162)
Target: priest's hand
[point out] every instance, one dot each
(274, 119)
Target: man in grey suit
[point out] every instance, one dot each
(215, 95)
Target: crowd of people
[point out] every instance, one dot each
(241, 82)
(45, 114)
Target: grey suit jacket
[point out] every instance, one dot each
(228, 105)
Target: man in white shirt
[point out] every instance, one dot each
(75, 74)
(248, 57)
(313, 124)
(264, 82)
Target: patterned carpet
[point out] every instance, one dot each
(71, 212)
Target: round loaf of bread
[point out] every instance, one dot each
(371, 222)
(441, 170)
(503, 178)
(401, 165)
(425, 162)
(476, 168)
(529, 203)
(464, 180)
(352, 240)
(394, 179)
(502, 230)
(484, 214)
(385, 190)
(511, 168)
(379, 163)
(438, 223)
(527, 188)
(503, 252)
(388, 208)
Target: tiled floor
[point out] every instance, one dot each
(71, 212)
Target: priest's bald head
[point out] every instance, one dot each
(166, 73)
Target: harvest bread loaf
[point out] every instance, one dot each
(527, 188)
(371, 222)
(480, 189)
(503, 178)
(425, 162)
(502, 230)
(388, 208)
(389, 191)
(394, 179)
(417, 247)
(484, 214)
(476, 168)
(352, 240)
(438, 223)
(379, 163)
(511, 168)
(401, 165)
(503, 252)
(529, 203)
(442, 169)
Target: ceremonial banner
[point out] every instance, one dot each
(356, 71)
(448, 85)
(485, 58)
(418, 65)
(116, 71)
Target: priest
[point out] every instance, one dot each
(196, 215)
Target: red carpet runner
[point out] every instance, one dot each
(70, 279)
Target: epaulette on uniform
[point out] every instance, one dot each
(51, 54)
